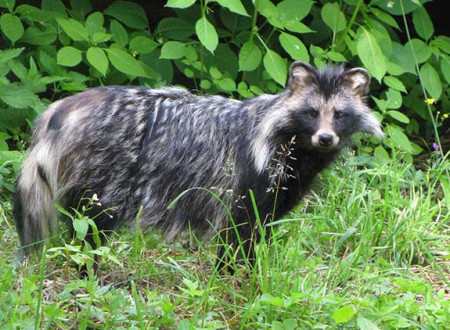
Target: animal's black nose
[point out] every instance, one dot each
(325, 140)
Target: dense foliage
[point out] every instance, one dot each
(240, 48)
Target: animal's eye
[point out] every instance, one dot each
(338, 115)
(312, 113)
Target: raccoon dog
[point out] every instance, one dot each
(134, 146)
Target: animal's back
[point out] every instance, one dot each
(135, 146)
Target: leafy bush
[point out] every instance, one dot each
(240, 48)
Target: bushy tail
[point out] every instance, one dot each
(34, 210)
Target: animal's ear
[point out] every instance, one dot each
(301, 74)
(358, 79)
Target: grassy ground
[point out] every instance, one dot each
(369, 249)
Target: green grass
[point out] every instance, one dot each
(368, 249)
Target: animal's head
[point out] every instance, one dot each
(325, 107)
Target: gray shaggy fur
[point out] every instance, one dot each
(134, 146)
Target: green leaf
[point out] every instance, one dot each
(119, 33)
(398, 116)
(371, 55)
(8, 4)
(226, 84)
(249, 57)
(431, 80)
(445, 68)
(394, 83)
(385, 17)
(235, 6)
(333, 17)
(142, 45)
(18, 96)
(422, 23)
(344, 314)
(39, 37)
(398, 138)
(207, 34)
(294, 47)
(129, 13)
(421, 49)
(54, 5)
(276, 67)
(9, 54)
(83, 6)
(125, 63)
(74, 29)
(363, 323)
(68, 56)
(94, 23)
(394, 99)
(179, 3)
(81, 227)
(442, 42)
(12, 27)
(174, 28)
(293, 10)
(173, 50)
(97, 58)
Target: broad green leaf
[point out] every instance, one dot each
(39, 37)
(54, 5)
(68, 56)
(335, 56)
(235, 6)
(294, 47)
(11, 26)
(398, 116)
(431, 80)
(173, 50)
(382, 155)
(125, 63)
(276, 67)
(81, 227)
(119, 33)
(97, 58)
(207, 34)
(179, 3)
(293, 10)
(94, 23)
(385, 17)
(421, 50)
(249, 57)
(333, 17)
(226, 84)
(395, 7)
(129, 13)
(398, 138)
(402, 58)
(394, 99)
(8, 4)
(394, 83)
(100, 37)
(174, 28)
(142, 45)
(83, 6)
(344, 314)
(442, 42)
(74, 29)
(422, 23)
(445, 68)
(363, 323)
(297, 27)
(371, 55)
(18, 96)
